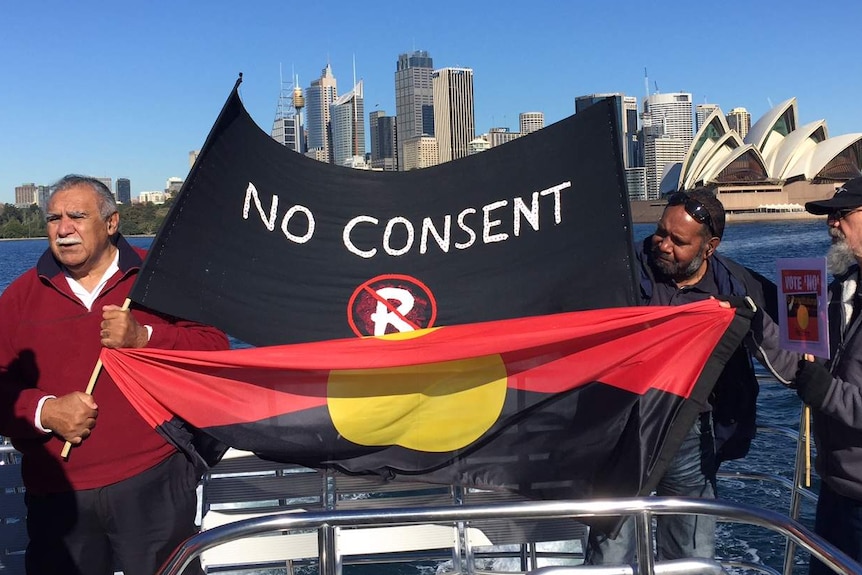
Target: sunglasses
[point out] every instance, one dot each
(695, 209)
(841, 214)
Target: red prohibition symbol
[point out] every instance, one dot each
(391, 303)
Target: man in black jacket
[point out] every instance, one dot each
(834, 392)
(679, 265)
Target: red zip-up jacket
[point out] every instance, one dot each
(49, 345)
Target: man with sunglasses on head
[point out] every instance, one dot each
(834, 390)
(679, 265)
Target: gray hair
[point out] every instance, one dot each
(107, 203)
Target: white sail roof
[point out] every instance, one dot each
(774, 150)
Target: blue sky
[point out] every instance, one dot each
(124, 89)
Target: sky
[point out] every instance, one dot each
(128, 89)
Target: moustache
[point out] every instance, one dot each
(67, 241)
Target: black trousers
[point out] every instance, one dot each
(132, 525)
(839, 521)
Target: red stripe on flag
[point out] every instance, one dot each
(635, 349)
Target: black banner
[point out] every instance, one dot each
(274, 247)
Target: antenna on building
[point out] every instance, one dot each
(298, 98)
(646, 84)
(355, 112)
(287, 113)
(284, 108)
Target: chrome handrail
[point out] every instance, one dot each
(798, 491)
(643, 508)
(797, 487)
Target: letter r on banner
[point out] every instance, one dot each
(382, 316)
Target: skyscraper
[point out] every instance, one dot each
(382, 129)
(124, 191)
(667, 134)
(287, 127)
(454, 120)
(25, 194)
(498, 136)
(740, 120)
(347, 113)
(420, 152)
(672, 112)
(414, 99)
(109, 183)
(627, 109)
(701, 113)
(318, 97)
(530, 122)
(173, 186)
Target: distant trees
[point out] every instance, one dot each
(142, 219)
(29, 222)
(17, 222)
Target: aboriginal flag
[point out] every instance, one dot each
(571, 405)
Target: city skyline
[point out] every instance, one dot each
(136, 109)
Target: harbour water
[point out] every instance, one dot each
(754, 244)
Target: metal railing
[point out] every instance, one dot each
(798, 486)
(643, 509)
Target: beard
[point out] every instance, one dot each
(840, 256)
(675, 270)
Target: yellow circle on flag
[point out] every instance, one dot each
(434, 407)
(802, 317)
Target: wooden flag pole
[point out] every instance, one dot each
(806, 415)
(91, 385)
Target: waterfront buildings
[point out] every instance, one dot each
(529, 122)
(636, 183)
(627, 110)
(124, 191)
(414, 100)
(667, 134)
(420, 152)
(173, 186)
(739, 120)
(776, 168)
(479, 144)
(347, 117)
(499, 136)
(25, 194)
(701, 113)
(287, 127)
(109, 182)
(454, 117)
(154, 197)
(383, 142)
(318, 97)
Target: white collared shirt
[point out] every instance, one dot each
(87, 298)
(848, 293)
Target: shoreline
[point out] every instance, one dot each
(732, 218)
(46, 237)
(650, 213)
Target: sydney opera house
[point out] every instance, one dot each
(770, 173)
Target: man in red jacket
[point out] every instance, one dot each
(125, 497)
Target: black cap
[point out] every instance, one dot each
(847, 196)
